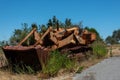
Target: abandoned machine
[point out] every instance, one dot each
(72, 40)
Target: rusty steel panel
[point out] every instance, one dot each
(31, 56)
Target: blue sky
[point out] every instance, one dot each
(103, 15)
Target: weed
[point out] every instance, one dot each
(99, 49)
(56, 62)
(111, 52)
(22, 69)
(80, 69)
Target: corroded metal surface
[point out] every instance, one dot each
(66, 39)
(32, 56)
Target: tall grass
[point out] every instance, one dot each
(99, 49)
(22, 69)
(56, 62)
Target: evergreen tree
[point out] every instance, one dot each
(68, 22)
(115, 38)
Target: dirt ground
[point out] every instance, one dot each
(115, 50)
(6, 75)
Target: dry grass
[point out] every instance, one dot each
(115, 50)
(5, 75)
(90, 62)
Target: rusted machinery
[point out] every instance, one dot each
(71, 39)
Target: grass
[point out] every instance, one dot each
(6, 75)
(80, 69)
(23, 69)
(99, 49)
(57, 62)
(1, 50)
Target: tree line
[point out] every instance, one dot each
(114, 38)
(19, 34)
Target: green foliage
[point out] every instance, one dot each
(110, 40)
(67, 63)
(99, 49)
(50, 23)
(29, 70)
(54, 22)
(23, 69)
(4, 43)
(43, 28)
(115, 38)
(68, 22)
(56, 62)
(19, 70)
(20, 34)
(95, 31)
(80, 69)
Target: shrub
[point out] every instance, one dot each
(56, 62)
(99, 49)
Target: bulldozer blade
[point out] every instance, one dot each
(30, 56)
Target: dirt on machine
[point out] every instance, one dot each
(73, 40)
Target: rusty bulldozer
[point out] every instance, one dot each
(72, 39)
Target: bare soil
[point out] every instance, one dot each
(115, 50)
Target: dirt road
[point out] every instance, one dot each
(108, 69)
